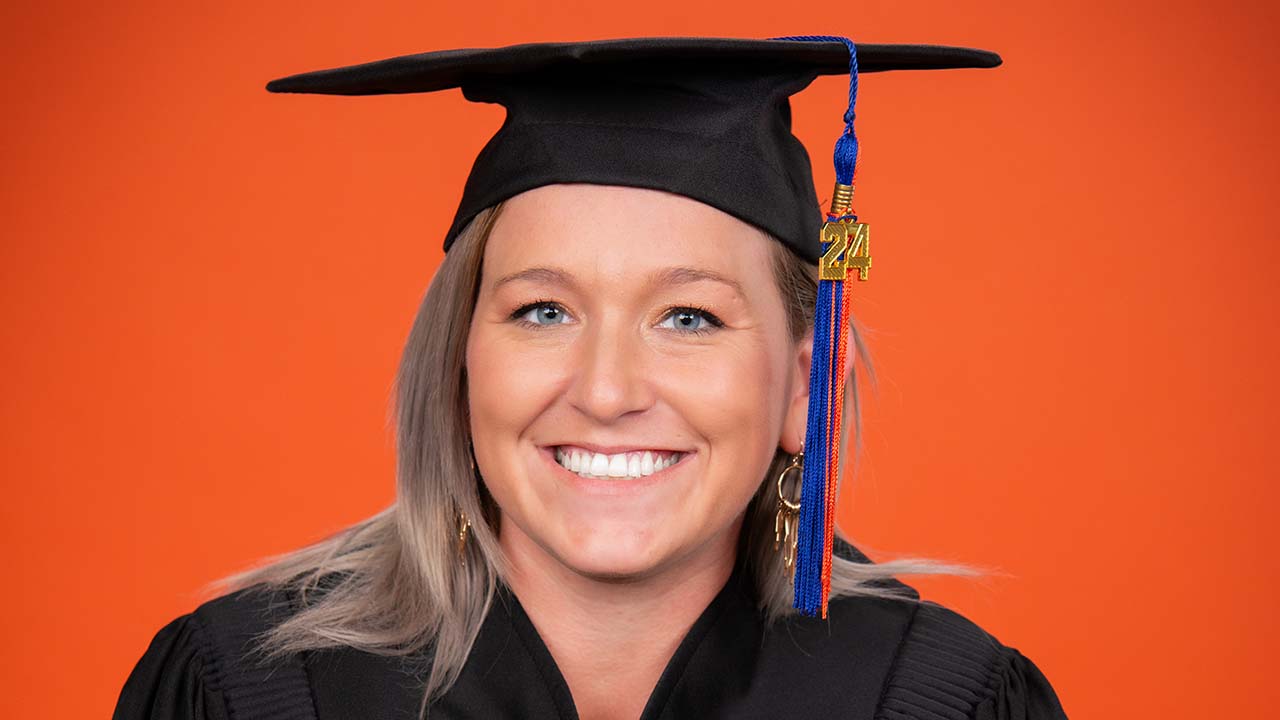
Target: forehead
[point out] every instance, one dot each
(612, 233)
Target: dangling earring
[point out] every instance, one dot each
(463, 526)
(464, 523)
(785, 533)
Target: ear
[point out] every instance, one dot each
(796, 421)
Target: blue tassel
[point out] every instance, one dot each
(813, 489)
(813, 552)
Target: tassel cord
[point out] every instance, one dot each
(820, 481)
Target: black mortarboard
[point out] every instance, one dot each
(707, 118)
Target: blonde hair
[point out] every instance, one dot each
(393, 584)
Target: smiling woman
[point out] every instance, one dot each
(602, 408)
(611, 373)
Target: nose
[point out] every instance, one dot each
(611, 378)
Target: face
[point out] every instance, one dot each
(639, 338)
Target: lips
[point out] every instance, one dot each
(614, 466)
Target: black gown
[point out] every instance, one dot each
(873, 659)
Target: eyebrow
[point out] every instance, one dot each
(680, 275)
(686, 275)
(546, 275)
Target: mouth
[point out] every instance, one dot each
(614, 466)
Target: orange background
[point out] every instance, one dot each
(204, 290)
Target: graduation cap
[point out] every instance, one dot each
(707, 118)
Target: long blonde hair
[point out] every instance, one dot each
(393, 584)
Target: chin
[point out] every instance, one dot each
(608, 552)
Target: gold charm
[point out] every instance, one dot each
(849, 248)
(848, 242)
(785, 531)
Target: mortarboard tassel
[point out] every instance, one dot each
(845, 248)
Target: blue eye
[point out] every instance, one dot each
(691, 319)
(541, 313)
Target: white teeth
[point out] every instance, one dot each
(621, 465)
(617, 465)
(599, 465)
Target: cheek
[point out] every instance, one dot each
(736, 402)
(740, 390)
(507, 385)
(494, 410)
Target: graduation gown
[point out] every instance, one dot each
(872, 659)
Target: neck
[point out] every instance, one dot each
(611, 638)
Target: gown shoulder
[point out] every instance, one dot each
(948, 667)
(202, 665)
(171, 680)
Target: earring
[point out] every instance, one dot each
(464, 524)
(785, 533)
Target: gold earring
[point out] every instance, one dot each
(785, 532)
(464, 525)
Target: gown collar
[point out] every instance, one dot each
(508, 625)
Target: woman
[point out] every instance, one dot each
(602, 409)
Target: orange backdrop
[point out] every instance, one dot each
(204, 289)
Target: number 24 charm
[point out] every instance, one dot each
(848, 248)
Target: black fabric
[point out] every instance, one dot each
(172, 679)
(950, 669)
(707, 118)
(873, 659)
(251, 687)
(203, 666)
